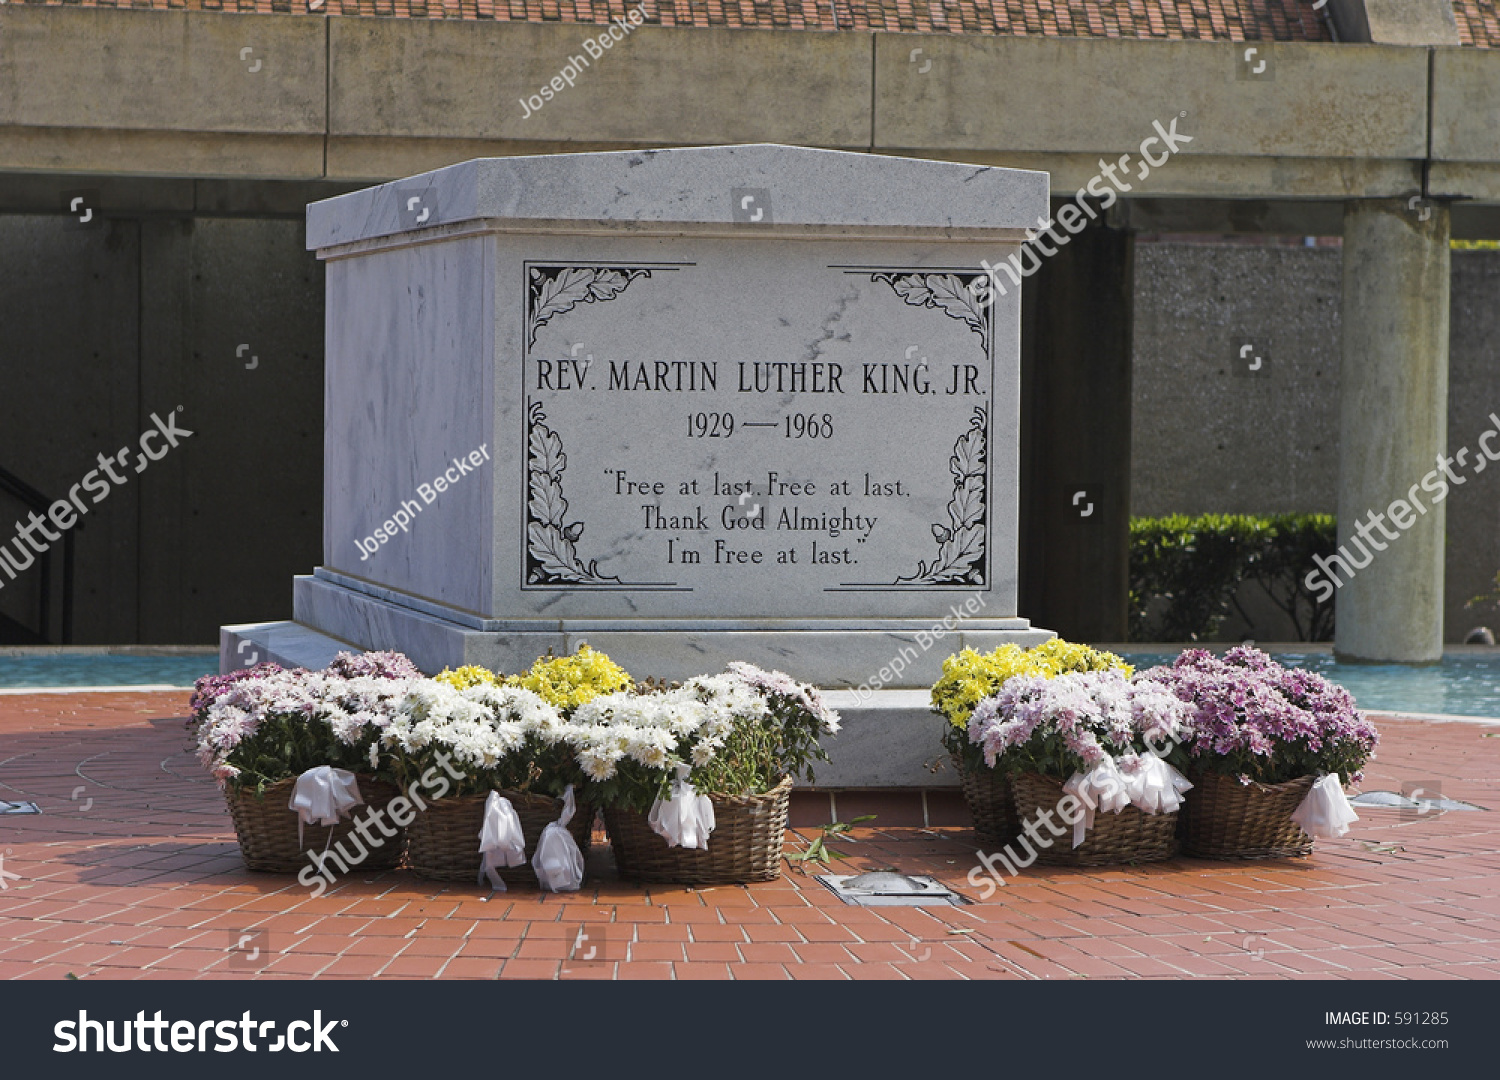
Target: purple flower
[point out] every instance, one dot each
(1070, 723)
(374, 665)
(779, 684)
(207, 689)
(1255, 719)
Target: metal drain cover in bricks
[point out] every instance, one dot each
(885, 888)
(19, 807)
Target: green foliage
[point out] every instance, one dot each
(288, 745)
(536, 767)
(758, 753)
(1290, 759)
(818, 851)
(740, 733)
(1197, 565)
(1487, 598)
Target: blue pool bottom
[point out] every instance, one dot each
(1462, 685)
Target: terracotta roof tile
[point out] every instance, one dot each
(1219, 20)
(1478, 22)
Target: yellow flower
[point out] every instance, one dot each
(970, 677)
(566, 682)
(1059, 657)
(467, 676)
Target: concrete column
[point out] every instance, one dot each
(1076, 339)
(1393, 424)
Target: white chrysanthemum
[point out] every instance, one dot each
(423, 732)
(598, 764)
(650, 746)
(622, 736)
(508, 735)
(481, 725)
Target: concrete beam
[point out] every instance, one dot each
(659, 86)
(102, 68)
(1260, 216)
(136, 197)
(1215, 176)
(1094, 96)
(118, 152)
(1272, 217)
(178, 93)
(1465, 131)
(1465, 104)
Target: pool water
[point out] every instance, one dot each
(1462, 685)
(103, 669)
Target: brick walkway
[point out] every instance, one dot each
(132, 872)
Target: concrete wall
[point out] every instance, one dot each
(71, 317)
(1473, 394)
(1208, 439)
(105, 326)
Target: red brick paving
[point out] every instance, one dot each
(145, 881)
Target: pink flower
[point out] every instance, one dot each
(1250, 714)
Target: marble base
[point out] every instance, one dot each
(284, 643)
(890, 738)
(831, 653)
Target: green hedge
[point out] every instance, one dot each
(1487, 598)
(1197, 565)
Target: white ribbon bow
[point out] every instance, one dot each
(686, 818)
(322, 796)
(1102, 787)
(1152, 785)
(501, 841)
(558, 862)
(1145, 781)
(1325, 811)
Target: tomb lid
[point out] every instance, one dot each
(717, 190)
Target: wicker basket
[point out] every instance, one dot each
(745, 845)
(267, 830)
(987, 792)
(1131, 836)
(1224, 819)
(442, 842)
